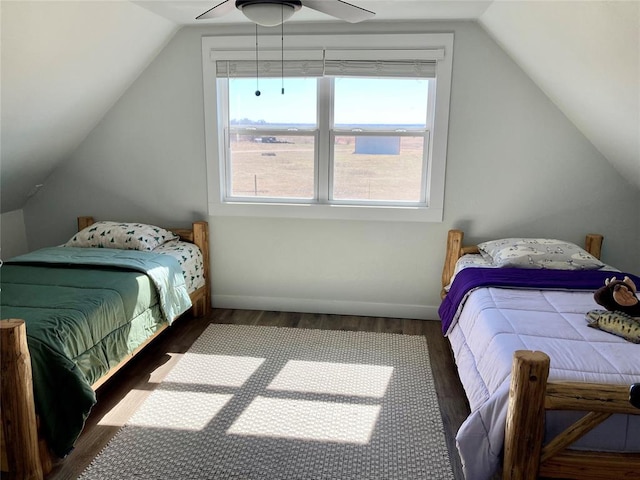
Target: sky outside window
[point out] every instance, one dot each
(380, 101)
(296, 106)
(358, 101)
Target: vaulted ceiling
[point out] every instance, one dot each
(65, 63)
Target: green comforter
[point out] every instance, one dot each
(85, 310)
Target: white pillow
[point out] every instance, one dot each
(469, 260)
(124, 236)
(538, 253)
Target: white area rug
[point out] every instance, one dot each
(270, 403)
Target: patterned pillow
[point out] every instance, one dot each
(124, 236)
(538, 253)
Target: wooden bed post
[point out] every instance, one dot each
(84, 222)
(524, 429)
(200, 238)
(454, 245)
(18, 408)
(593, 244)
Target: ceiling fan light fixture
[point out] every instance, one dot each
(268, 14)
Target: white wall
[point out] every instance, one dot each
(516, 166)
(13, 235)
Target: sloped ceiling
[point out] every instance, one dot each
(585, 55)
(65, 63)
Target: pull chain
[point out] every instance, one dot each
(257, 67)
(282, 48)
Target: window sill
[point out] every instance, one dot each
(326, 212)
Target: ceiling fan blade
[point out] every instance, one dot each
(219, 10)
(339, 9)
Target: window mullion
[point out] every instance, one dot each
(426, 167)
(226, 173)
(324, 150)
(431, 104)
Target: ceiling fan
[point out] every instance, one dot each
(270, 13)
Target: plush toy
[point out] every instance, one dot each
(619, 295)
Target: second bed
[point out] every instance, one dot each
(489, 313)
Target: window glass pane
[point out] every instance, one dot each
(379, 102)
(272, 166)
(378, 168)
(271, 109)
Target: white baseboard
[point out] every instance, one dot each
(339, 307)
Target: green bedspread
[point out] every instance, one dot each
(83, 320)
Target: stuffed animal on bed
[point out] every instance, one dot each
(619, 295)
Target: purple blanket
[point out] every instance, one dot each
(471, 278)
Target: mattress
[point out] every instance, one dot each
(492, 323)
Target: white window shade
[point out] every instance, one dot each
(382, 63)
(344, 63)
(379, 68)
(269, 68)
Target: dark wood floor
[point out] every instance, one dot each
(123, 394)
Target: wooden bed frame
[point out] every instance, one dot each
(25, 454)
(530, 395)
(456, 249)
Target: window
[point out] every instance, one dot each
(271, 139)
(379, 140)
(358, 132)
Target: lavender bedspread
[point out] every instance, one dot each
(471, 278)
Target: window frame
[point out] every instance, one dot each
(222, 47)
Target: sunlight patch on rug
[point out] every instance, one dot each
(179, 410)
(307, 420)
(333, 378)
(218, 370)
